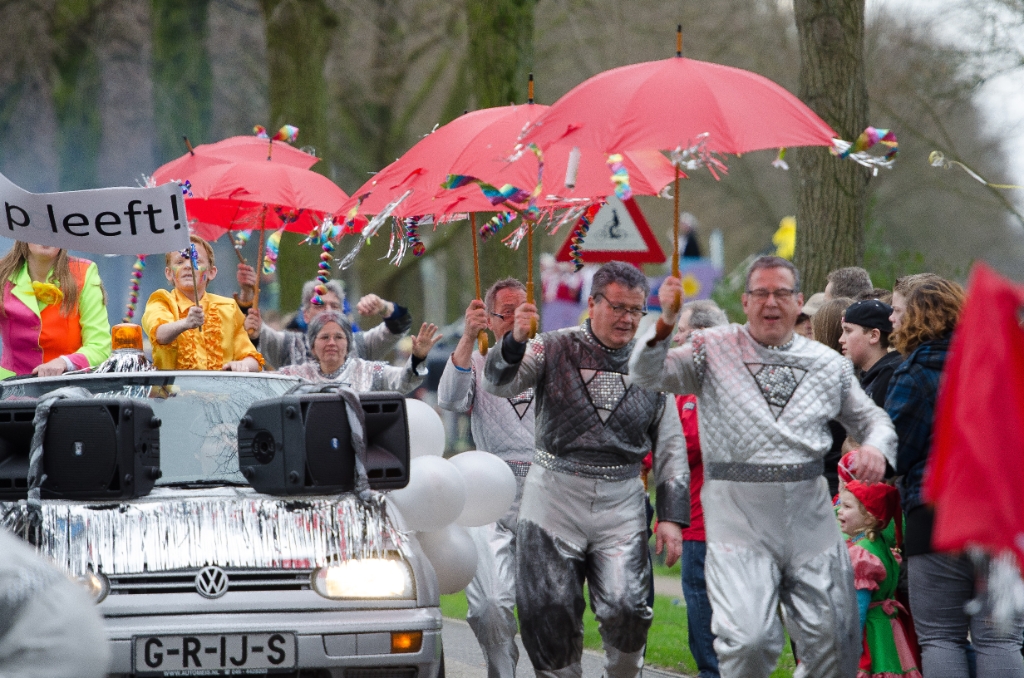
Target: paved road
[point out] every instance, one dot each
(463, 659)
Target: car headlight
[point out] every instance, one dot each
(95, 584)
(375, 578)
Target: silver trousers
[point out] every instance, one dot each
(772, 545)
(492, 593)
(573, 529)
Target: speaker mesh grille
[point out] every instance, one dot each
(328, 441)
(80, 448)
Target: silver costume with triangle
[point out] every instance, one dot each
(504, 427)
(583, 511)
(772, 536)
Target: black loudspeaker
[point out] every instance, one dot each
(387, 440)
(301, 444)
(104, 448)
(15, 440)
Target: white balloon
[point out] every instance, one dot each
(434, 497)
(452, 552)
(490, 487)
(426, 430)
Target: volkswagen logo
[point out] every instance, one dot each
(212, 582)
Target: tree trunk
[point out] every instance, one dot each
(500, 57)
(76, 93)
(298, 38)
(832, 194)
(182, 79)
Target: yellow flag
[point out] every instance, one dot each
(785, 238)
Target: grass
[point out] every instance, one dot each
(666, 641)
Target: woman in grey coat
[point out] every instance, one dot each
(330, 337)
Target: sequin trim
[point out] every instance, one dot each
(519, 468)
(561, 465)
(763, 473)
(589, 334)
(700, 355)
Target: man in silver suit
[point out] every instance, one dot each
(583, 511)
(766, 397)
(504, 427)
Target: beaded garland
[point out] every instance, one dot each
(412, 234)
(133, 294)
(578, 235)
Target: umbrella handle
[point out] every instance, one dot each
(481, 336)
(529, 278)
(677, 302)
(259, 258)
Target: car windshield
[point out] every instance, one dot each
(199, 410)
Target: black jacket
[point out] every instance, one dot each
(875, 381)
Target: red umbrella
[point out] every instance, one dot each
(261, 195)
(976, 465)
(232, 149)
(670, 103)
(477, 145)
(673, 103)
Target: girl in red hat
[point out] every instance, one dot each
(864, 511)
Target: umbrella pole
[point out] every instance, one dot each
(481, 336)
(259, 258)
(195, 278)
(529, 276)
(675, 240)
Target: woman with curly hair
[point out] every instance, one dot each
(940, 584)
(53, 312)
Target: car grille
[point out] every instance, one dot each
(184, 581)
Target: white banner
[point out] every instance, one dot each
(103, 221)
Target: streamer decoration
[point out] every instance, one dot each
(495, 224)
(579, 233)
(155, 533)
(780, 161)
(370, 229)
(240, 238)
(496, 196)
(620, 177)
(696, 156)
(858, 150)
(413, 236)
(287, 133)
(273, 247)
(937, 159)
(133, 288)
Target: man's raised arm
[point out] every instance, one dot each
(515, 364)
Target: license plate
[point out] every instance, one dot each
(214, 655)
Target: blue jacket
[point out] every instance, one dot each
(910, 403)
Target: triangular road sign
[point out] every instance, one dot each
(619, 233)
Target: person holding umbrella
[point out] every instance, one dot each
(191, 329)
(582, 514)
(503, 427)
(766, 397)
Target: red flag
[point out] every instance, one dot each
(975, 472)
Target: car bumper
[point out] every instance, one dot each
(324, 639)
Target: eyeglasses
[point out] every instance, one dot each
(620, 311)
(781, 294)
(507, 315)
